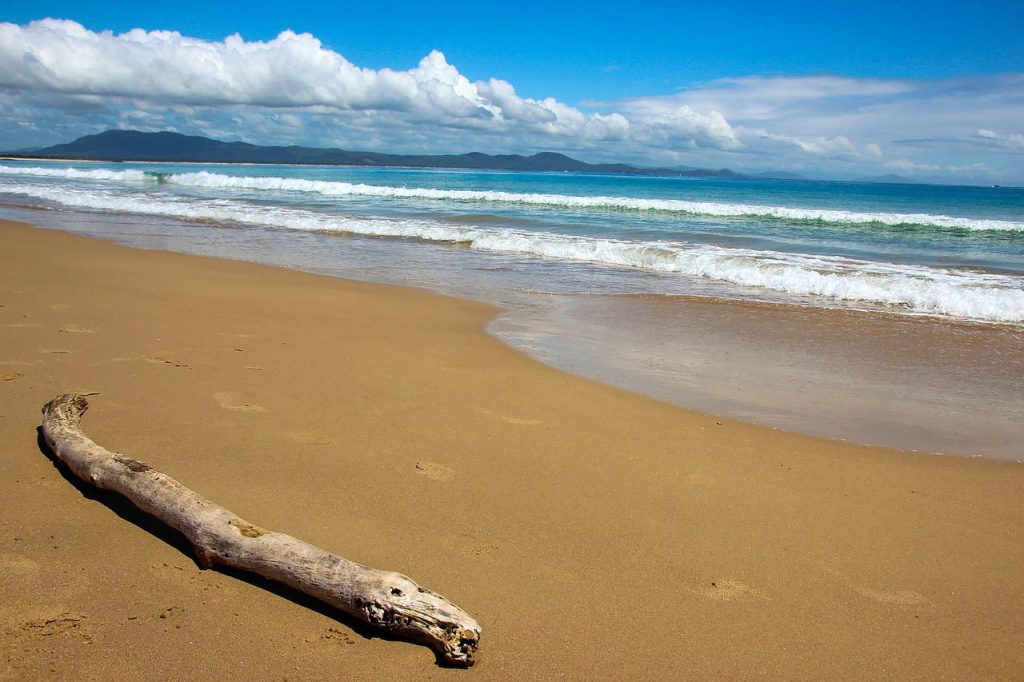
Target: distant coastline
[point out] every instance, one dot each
(124, 146)
(168, 147)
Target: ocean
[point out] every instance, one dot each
(882, 313)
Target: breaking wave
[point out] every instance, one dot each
(76, 174)
(205, 179)
(947, 292)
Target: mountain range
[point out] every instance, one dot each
(133, 145)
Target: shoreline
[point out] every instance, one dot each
(384, 424)
(913, 383)
(859, 380)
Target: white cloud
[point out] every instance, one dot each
(830, 147)
(296, 72)
(908, 166)
(979, 172)
(851, 125)
(683, 125)
(1011, 140)
(59, 80)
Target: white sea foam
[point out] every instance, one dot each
(76, 173)
(210, 180)
(954, 293)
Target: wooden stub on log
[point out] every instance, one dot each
(383, 599)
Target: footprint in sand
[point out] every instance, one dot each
(518, 421)
(898, 597)
(11, 377)
(471, 546)
(333, 636)
(13, 564)
(170, 612)
(236, 403)
(157, 360)
(308, 438)
(66, 624)
(696, 478)
(41, 482)
(112, 361)
(729, 590)
(433, 470)
(76, 329)
(54, 351)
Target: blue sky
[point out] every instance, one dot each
(925, 89)
(576, 51)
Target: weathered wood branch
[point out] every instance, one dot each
(383, 599)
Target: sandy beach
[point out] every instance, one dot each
(594, 533)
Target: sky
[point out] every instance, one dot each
(933, 91)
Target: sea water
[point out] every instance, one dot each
(549, 245)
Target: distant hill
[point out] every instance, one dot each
(779, 175)
(132, 145)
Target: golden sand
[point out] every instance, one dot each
(593, 533)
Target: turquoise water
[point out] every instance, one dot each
(934, 366)
(955, 252)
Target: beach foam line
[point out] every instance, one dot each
(946, 292)
(205, 179)
(76, 173)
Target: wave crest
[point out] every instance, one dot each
(952, 293)
(206, 179)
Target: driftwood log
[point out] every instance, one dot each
(383, 599)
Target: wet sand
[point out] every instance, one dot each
(593, 532)
(914, 383)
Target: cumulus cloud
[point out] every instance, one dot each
(855, 124)
(59, 80)
(60, 58)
